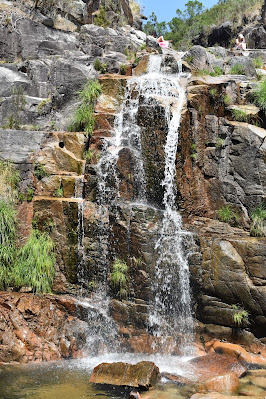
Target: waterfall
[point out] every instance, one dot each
(170, 314)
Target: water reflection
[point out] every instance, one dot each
(70, 380)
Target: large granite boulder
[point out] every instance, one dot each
(142, 375)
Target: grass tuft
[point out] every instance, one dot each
(227, 215)
(258, 225)
(259, 94)
(84, 114)
(119, 278)
(35, 264)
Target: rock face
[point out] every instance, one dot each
(40, 327)
(142, 375)
(40, 77)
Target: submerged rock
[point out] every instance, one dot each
(141, 375)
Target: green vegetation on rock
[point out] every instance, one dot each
(9, 180)
(35, 263)
(258, 62)
(119, 278)
(227, 215)
(237, 69)
(240, 115)
(39, 171)
(100, 66)
(101, 19)
(240, 316)
(84, 114)
(59, 192)
(258, 225)
(7, 241)
(259, 94)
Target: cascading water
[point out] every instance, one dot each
(171, 311)
(170, 314)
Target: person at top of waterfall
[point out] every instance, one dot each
(240, 43)
(162, 42)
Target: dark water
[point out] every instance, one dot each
(68, 380)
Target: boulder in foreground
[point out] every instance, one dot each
(141, 375)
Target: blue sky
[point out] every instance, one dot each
(165, 9)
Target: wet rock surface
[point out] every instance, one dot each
(141, 375)
(40, 327)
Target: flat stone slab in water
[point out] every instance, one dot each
(141, 375)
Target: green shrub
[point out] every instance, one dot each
(258, 62)
(84, 114)
(101, 19)
(258, 217)
(227, 215)
(35, 263)
(259, 94)
(237, 69)
(240, 316)
(240, 115)
(39, 171)
(119, 279)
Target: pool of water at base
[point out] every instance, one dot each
(69, 379)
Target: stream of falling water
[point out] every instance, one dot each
(171, 312)
(171, 308)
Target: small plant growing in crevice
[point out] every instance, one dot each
(258, 225)
(227, 99)
(30, 194)
(100, 66)
(123, 69)
(240, 115)
(227, 214)
(119, 278)
(213, 93)
(217, 72)
(42, 106)
(219, 142)
(59, 192)
(194, 154)
(39, 171)
(84, 114)
(237, 69)
(240, 316)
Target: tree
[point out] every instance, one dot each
(153, 27)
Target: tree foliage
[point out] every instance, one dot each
(196, 18)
